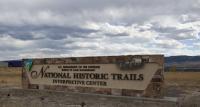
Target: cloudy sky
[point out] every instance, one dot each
(65, 28)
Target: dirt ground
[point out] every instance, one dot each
(176, 83)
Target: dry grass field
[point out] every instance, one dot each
(10, 77)
(182, 83)
(182, 78)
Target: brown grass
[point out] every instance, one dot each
(10, 77)
(189, 81)
(194, 76)
(182, 76)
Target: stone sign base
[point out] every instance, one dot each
(130, 75)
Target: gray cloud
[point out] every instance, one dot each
(48, 28)
(173, 32)
(41, 32)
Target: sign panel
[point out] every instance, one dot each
(114, 76)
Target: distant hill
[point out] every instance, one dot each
(183, 61)
(11, 63)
